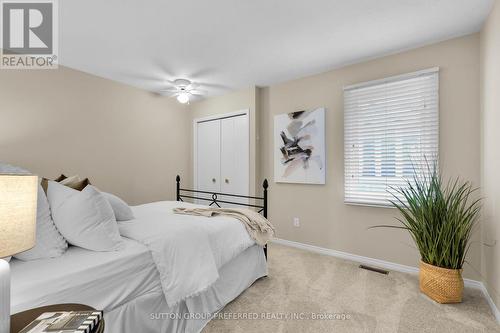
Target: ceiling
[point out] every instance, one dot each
(233, 44)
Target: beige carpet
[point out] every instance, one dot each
(301, 283)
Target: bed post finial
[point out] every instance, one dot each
(178, 189)
(265, 185)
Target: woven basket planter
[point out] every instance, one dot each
(441, 284)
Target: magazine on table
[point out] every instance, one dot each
(65, 322)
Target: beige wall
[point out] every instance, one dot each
(325, 220)
(127, 141)
(490, 101)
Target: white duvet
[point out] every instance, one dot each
(187, 250)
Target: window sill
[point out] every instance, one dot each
(369, 205)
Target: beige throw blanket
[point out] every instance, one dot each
(258, 227)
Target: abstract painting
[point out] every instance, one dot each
(299, 147)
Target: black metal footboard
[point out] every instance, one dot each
(260, 203)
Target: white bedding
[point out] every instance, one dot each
(151, 314)
(104, 280)
(188, 250)
(126, 285)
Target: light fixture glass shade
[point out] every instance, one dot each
(183, 98)
(18, 199)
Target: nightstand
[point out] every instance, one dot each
(20, 320)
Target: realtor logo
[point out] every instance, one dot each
(29, 34)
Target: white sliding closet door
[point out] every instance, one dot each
(222, 156)
(235, 155)
(208, 156)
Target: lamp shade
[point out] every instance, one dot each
(18, 199)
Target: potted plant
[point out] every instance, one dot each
(440, 218)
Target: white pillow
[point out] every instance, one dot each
(120, 208)
(6, 258)
(49, 242)
(84, 218)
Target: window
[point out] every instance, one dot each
(391, 127)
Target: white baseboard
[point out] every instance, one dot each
(348, 256)
(385, 265)
(492, 304)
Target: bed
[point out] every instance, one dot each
(132, 285)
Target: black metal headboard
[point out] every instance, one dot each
(214, 199)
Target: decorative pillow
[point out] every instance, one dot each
(84, 218)
(45, 181)
(120, 208)
(75, 182)
(49, 242)
(60, 178)
(69, 180)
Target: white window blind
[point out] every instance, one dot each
(391, 127)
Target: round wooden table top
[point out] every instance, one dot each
(20, 320)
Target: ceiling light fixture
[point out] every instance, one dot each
(184, 91)
(183, 97)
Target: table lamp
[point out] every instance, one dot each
(18, 198)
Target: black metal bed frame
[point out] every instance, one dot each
(214, 200)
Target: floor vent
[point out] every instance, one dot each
(374, 269)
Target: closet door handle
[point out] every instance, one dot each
(227, 181)
(213, 180)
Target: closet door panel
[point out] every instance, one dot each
(208, 156)
(235, 155)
